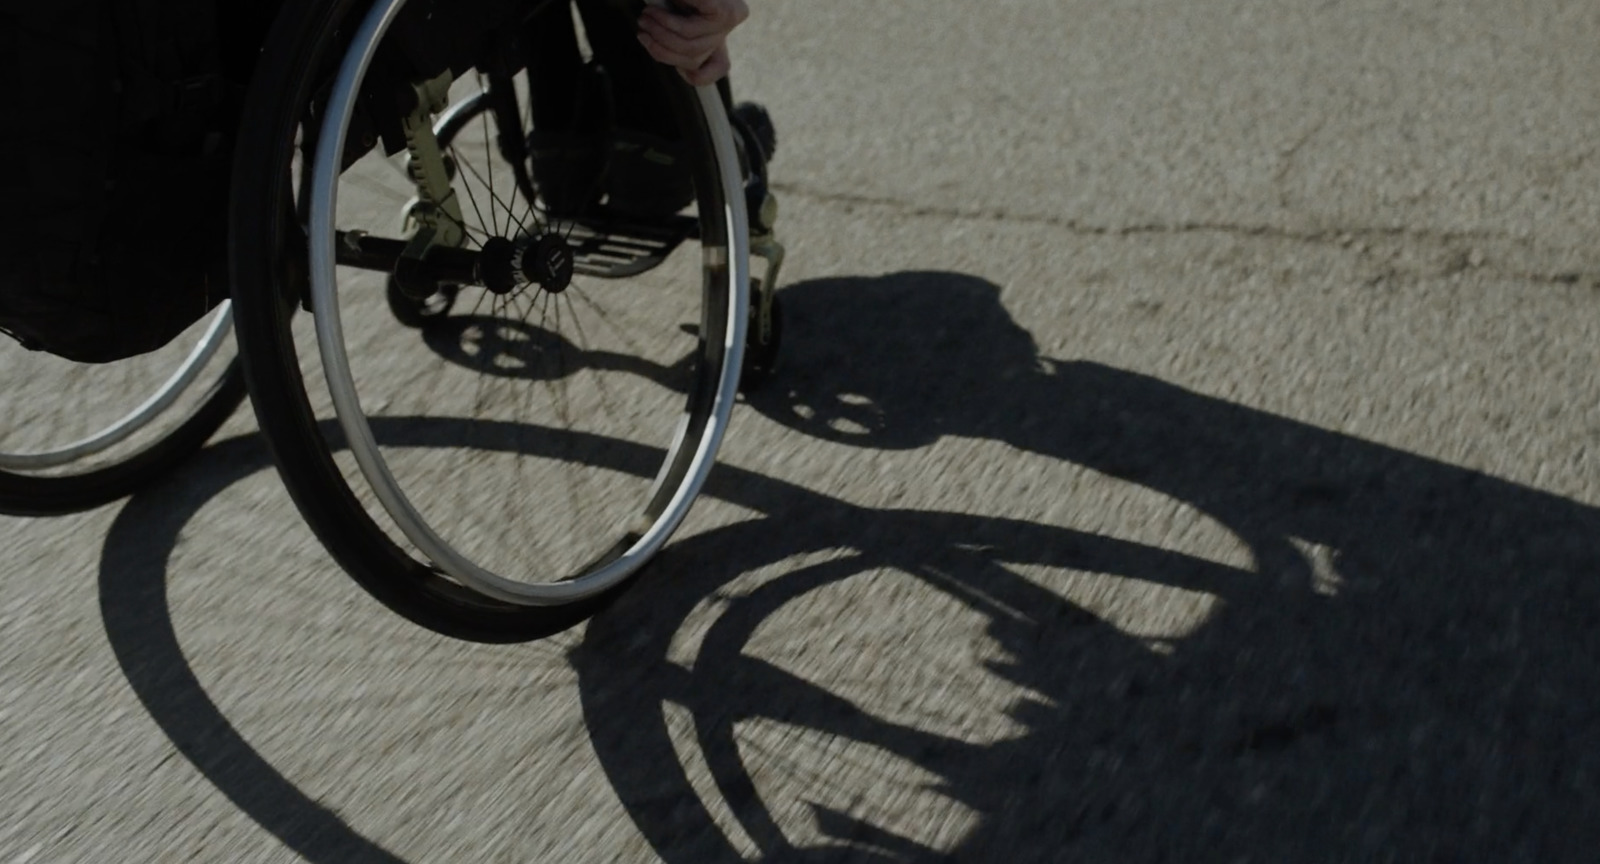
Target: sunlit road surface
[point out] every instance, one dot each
(1185, 450)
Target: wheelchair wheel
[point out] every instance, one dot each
(78, 435)
(517, 455)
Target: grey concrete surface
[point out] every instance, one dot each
(1185, 451)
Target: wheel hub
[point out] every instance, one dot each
(547, 261)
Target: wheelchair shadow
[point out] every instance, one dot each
(1438, 707)
(1408, 672)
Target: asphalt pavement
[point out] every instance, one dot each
(1185, 449)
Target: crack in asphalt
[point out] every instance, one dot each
(1348, 237)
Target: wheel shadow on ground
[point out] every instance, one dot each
(136, 609)
(1439, 706)
(138, 620)
(1408, 671)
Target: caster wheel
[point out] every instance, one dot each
(755, 124)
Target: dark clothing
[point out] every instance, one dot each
(566, 96)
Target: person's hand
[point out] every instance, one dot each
(694, 39)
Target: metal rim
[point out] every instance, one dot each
(730, 265)
(169, 392)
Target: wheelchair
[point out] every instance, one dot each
(514, 378)
(583, 358)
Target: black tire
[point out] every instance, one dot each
(307, 41)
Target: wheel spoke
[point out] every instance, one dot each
(471, 198)
(570, 404)
(488, 143)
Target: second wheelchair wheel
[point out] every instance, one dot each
(74, 436)
(515, 460)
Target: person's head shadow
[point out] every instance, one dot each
(1407, 670)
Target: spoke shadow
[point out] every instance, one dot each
(1438, 706)
(506, 347)
(503, 346)
(1407, 672)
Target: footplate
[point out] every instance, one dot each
(608, 247)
